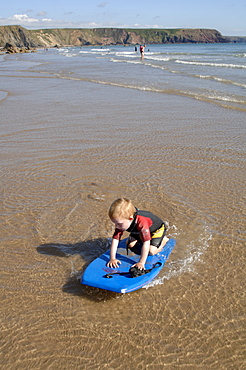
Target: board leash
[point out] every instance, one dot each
(133, 271)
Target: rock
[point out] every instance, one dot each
(10, 49)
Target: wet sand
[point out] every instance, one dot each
(68, 149)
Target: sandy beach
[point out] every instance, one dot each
(72, 141)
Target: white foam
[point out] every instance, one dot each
(125, 53)
(222, 80)
(100, 50)
(95, 51)
(71, 55)
(62, 50)
(188, 263)
(158, 58)
(224, 65)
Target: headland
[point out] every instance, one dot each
(18, 39)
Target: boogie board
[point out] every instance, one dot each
(119, 280)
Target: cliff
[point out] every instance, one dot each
(20, 37)
(236, 39)
(16, 36)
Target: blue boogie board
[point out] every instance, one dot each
(98, 275)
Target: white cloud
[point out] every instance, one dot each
(33, 23)
(30, 22)
(22, 18)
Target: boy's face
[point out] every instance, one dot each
(122, 223)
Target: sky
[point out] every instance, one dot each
(226, 16)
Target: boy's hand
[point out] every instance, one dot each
(113, 263)
(139, 265)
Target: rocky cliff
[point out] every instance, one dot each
(15, 36)
(20, 37)
(236, 39)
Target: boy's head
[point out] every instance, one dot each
(121, 210)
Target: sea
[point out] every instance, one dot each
(83, 126)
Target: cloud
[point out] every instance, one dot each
(22, 19)
(30, 22)
(41, 14)
(34, 23)
(103, 4)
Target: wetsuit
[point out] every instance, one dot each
(145, 226)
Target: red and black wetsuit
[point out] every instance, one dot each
(143, 226)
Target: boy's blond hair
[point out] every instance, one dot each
(121, 207)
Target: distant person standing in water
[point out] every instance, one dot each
(142, 47)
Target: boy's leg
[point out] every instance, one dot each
(158, 240)
(154, 250)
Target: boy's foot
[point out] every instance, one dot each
(163, 243)
(132, 244)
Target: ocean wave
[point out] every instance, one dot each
(95, 52)
(125, 61)
(233, 102)
(225, 98)
(211, 96)
(152, 56)
(126, 53)
(101, 50)
(63, 50)
(138, 61)
(71, 55)
(208, 96)
(158, 58)
(223, 65)
(240, 55)
(165, 68)
(222, 80)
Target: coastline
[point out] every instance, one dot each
(18, 36)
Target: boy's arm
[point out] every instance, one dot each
(144, 255)
(113, 261)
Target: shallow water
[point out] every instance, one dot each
(71, 142)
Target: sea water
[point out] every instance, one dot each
(207, 71)
(83, 126)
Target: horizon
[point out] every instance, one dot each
(225, 16)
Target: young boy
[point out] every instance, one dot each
(146, 230)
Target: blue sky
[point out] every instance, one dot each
(227, 16)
